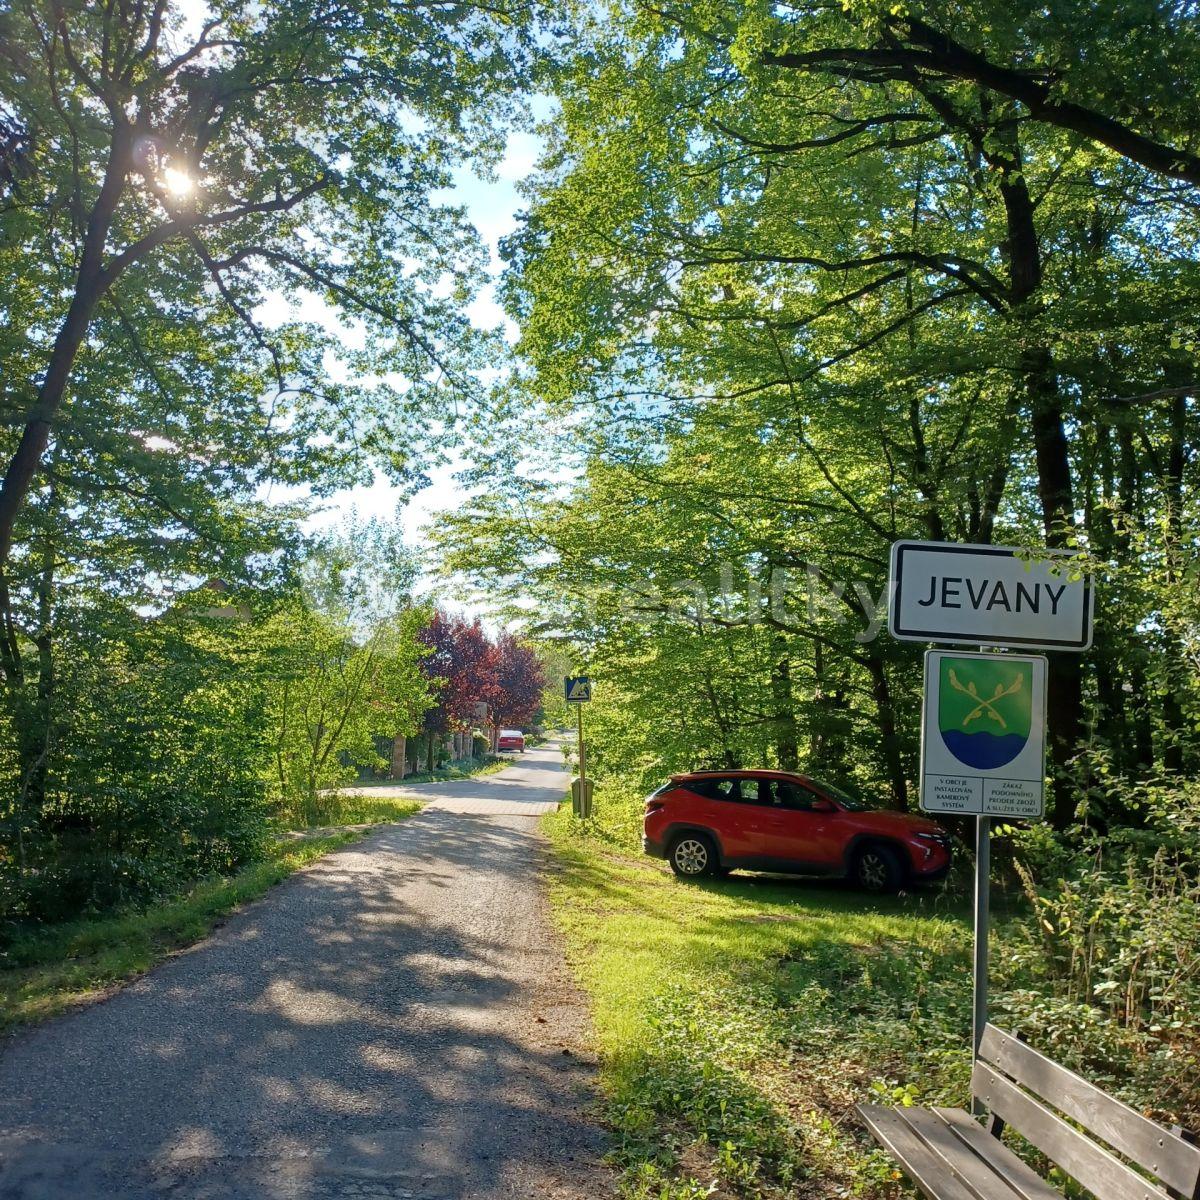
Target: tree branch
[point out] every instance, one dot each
(179, 226)
(278, 256)
(940, 55)
(972, 275)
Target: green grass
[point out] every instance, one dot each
(740, 1020)
(360, 808)
(51, 970)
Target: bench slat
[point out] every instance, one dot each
(1021, 1177)
(984, 1168)
(926, 1170)
(1154, 1147)
(1104, 1175)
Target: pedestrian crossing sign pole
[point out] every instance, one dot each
(578, 692)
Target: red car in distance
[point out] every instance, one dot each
(510, 739)
(713, 822)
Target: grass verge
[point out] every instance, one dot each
(360, 808)
(462, 768)
(740, 1020)
(51, 970)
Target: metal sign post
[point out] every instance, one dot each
(983, 904)
(983, 722)
(981, 948)
(582, 752)
(578, 692)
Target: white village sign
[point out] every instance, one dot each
(988, 596)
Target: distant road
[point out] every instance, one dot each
(395, 1021)
(533, 785)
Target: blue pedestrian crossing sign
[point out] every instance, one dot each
(579, 689)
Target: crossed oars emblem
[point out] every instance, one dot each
(984, 705)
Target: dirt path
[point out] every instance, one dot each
(396, 1021)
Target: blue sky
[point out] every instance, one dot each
(492, 206)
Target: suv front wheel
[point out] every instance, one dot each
(878, 869)
(693, 856)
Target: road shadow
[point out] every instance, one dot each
(398, 1014)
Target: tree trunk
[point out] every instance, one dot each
(1051, 455)
(787, 748)
(1173, 757)
(90, 285)
(889, 742)
(12, 670)
(1143, 730)
(38, 765)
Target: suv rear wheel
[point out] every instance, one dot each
(693, 856)
(878, 869)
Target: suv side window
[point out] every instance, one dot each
(793, 796)
(732, 790)
(747, 791)
(711, 789)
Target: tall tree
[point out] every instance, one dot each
(169, 184)
(517, 681)
(288, 144)
(461, 669)
(797, 293)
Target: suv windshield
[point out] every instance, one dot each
(843, 797)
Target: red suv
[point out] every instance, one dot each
(712, 822)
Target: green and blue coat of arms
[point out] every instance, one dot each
(985, 709)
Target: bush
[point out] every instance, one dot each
(1104, 971)
(157, 774)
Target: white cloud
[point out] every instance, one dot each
(485, 312)
(520, 157)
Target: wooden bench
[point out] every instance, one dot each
(949, 1155)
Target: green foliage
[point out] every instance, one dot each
(227, 273)
(154, 772)
(788, 292)
(617, 813)
(1106, 970)
(482, 762)
(557, 664)
(693, 1076)
(173, 744)
(331, 696)
(313, 143)
(741, 1020)
(340, 808)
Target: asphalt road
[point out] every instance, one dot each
(395, 1021)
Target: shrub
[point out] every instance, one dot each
(1104, 971)
(156, 778)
